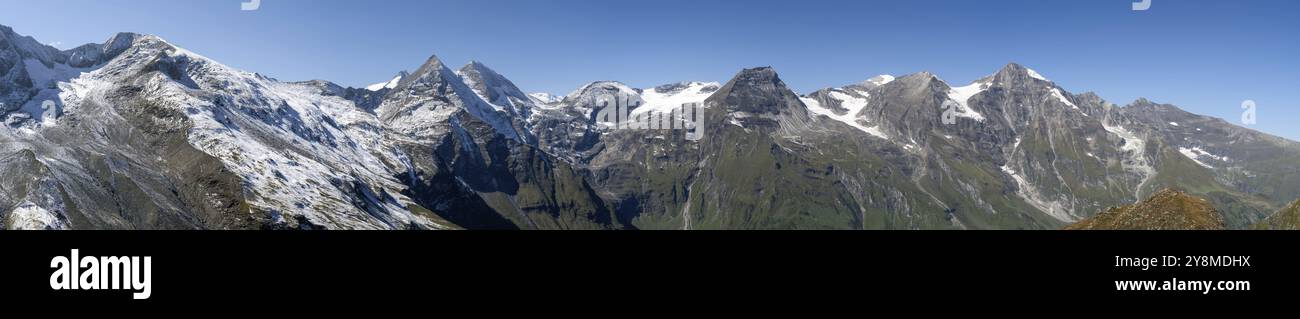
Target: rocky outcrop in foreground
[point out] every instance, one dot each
(1166, 210)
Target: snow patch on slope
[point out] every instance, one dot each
(43, 108)
(854, 105)
(297, 151)
(1196, 154)
(962, 96)
(1134, 150)
(385, 85)
(1036, 75)
(881, 80)
(333, 153)
(29, 216)
(46, 78)
(1056, 92)
(545, 98)
(1032, 196)
(662, 100)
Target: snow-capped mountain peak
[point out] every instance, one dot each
(587, 99)
(1014, 72)
(879, 80)
(267, 153)
(390, 84)
(424, 101)
(610, 86)
(26, 46)
(496, 89)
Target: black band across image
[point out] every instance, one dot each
(366, 267)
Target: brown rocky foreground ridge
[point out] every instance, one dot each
(1166, 210)
(1286, 219)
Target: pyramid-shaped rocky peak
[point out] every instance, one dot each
(757, 91)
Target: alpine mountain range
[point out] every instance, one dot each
(137, 133)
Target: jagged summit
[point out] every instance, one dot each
(30, 72)
(1009, 75)
(1016, 73)
(474, 66)
(920, 80)
(121, 41)
(1013, 68)
(1151, 110)
(496, 88)
(390, 84)
(765, 71)
(423, 101)
(26, 46)
(1143, 102)
(758, 92)
(478, 70)
(433, 70)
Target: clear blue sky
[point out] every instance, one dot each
(1206, 56)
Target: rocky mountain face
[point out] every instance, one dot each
(469, 159)
(152, 136)
(136, 133)
(1165, 210)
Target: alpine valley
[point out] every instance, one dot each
(137, 133)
